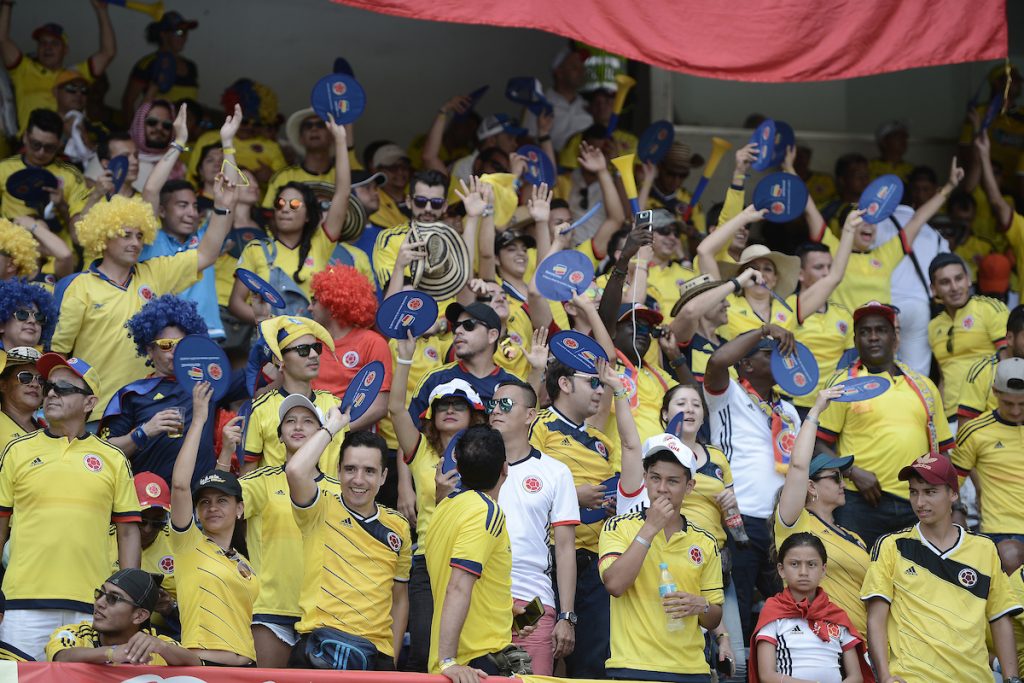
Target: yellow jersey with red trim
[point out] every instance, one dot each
(743, 318)
(972, 333)
(297, 173)
(83, 634)
(940, 604)
(664, 283)
(976, 393)
(469, 535)
(76, 192)
(639, 637)
(255, 258)
(350, 566)
(216, 593)
(990, 446)
(828, 334)
(67, 489)
(646, 386)
(425, 359)
(263, 445)
(868, 274)
(157, 559)
(33, 86)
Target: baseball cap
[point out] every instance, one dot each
(934, 469)
(173, 21)
(663, 217)
(295, 401)
(824, 461)
(644, 313)
(456, 387)
(50, 29)
(68, 76)
(508, 236)
(477, 311)
(361, 178)
(387, 155)
(225, 482)
(139, 585)
(49, 362)
(1009, 377)
(888, 128)
(994, 272)
(498, 123)
(671, 444)
(763, 344)
(153, 491)
(875, 308)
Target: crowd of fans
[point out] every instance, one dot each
(672, 515)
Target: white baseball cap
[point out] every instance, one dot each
(297, 400)
(671, 444)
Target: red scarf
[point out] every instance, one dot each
(819, 613)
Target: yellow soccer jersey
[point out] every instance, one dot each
(940, 604)
(699, 506)
(389, 214)
(587, 453)
(972, 251)
(263, 445)
(273, 539)
(665, 281)
(821, 187)
(991, 446)
(425, 359)
(1015, 235)
(71, 490)
(568, 156)
(9, 431)
(216, 593)
(683, 196)
(296, 174)
(83, 634)
(385, 252)
(33, 86)
(350, 566)
(94, 309)
(976, 393)
(742, 317)
(828, 335)
(1017, 590)
(469, 535)
(646, 386)
(157, 559)
(868, 274)
(888, 431)
(423, 465)
(1005, 133)
(254, 258)
(847, 562)
(250, 153)
(512, 348)
(639, 635)
(76, 192)
(972, 334)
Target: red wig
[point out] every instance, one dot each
(347, 295)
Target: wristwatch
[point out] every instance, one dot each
(568, 616)
(1012, 679)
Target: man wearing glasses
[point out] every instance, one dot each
(427, 202)
(67, 486)
(119, 631)
(538, 493)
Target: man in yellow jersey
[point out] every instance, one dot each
(155, 538)
(67, 486)
(933, 590)
(310, 137)
(967, 330)
(891, 138)
(356, 556)
(428, 192)
(702, 308)
(667, 191)
(657, 551)
(907, 418)
(119, 631)
(645, 383)
(393, 204)
(665, 272)
(976, 394)
(296, 345)
(990, 446)
(469, 560)
(1008, 219)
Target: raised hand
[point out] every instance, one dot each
(518, 164)
(410, 251)
(459, 104)
(338, 131)
(591, 158)
(181, 125)
(787, 163)
(538, 354)
(202, 392)
(956, 174)
(745, 156)
(539, 203)
(472, 196)
(231, 125)
(609, 375)
(225, 192)
(407, 346)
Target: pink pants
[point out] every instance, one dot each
(538, 644)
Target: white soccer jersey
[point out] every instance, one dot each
(801, 654)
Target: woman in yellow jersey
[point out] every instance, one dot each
(216, 585)
(21, 394)
(453, 407)
(811, 494)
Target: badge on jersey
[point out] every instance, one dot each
(340, 96)
(363, 389)
(783, 194)
(879, 200)
(118, 167)
(197, 358)
(862, 388)
(409, 311)
(655, 142)
(796, 374)
(28, 183)
(563, 275)
(576, 350)
(261, 287)
(611, 487)
(539, 167)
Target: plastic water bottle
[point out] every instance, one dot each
(734, 522)
(668, 585)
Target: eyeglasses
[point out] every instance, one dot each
(27, 377)
(165, 344)
(293, 204)
(595, 381)
(75, 89)
(666, 231)
(304, 349)
(155, 523)
(48, 147)
(311, 124)
(421, 202)
(23, 314)
(64, 389)
(837, 477)
(505, 405)
(113, 599)
(468, 324)
(456, 405)
(163, 123)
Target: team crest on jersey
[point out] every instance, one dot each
(842, 327)
(967, 577)
(601, 449)
(50, 279)
(515, 338)
(394, 541)
(968, 322)
(145, 292)
(193, 242)
(166, 564)
(833, 631)
(350, 359)
(719, 474)
(153, 489)
(780, 316)
(244, 569)
(430, 352)
(875, 263)
(696, 555)
(309, 262)
(785, 441)
(92, 462)
(532, 484)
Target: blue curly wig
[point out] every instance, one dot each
(164, 311)
(16, 293)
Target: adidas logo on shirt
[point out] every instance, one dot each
(796, 629)
(346, 522)
(999, 444)
(279, 492)
(565, 441)
(37, 461)
(910, 571)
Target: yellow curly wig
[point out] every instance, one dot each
(18, 243)
(108, 220)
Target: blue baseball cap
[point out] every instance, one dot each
(824, 461)
(498, 123)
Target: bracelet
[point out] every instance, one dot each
(329, 432)
(229, 150)
(620, 393)
(180, 147)
(812, 420)
(734, 186)
(110, 655)
(221, 212)
(448, 663)
(543, 138)
(642, 541)
(723, 634)
(33, 228)
(616, 271)
(139, 437)
(736, 286)
(403, 361)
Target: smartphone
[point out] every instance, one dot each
(645, 219)
(534, 611)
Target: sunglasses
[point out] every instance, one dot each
(75, 89)
(153, 121)
(23, 314)
(421, 202)
(293, 204)
(456, 405)
(27, 377)
(642, 329)
(594, 380)
(468, 324)
(154, 523)
(505, 405)
(165, 344)
(837, 477)
(64, 389)
(666, 231)
(311, 124)
(47, 147)
(304, 349)
(113, 599)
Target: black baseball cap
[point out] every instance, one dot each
(360, 178)
(139, 585)
(510, 235)
(225, 482)
(477, 311)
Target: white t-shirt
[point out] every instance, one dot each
(570, 118)
(800, 653)
(744, 433)
(537, 495)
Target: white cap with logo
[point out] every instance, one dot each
(671, 444)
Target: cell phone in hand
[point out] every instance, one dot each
(645, 219)
(534, 611)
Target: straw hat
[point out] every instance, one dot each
(691, 288)
(446, 268)
(787, 268)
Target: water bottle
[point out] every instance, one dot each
(734, 522)
(668, 585)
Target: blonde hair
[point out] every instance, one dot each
(107, 220)
(18, 243)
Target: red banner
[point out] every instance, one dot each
(750, 40)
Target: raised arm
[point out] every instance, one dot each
(475, 196)
(435, 136)
(592, 159)
(585, 305)
(405, 429)
(162, 170)
(302, 467)
(684, 325)
(539, 205)
(814, 297)
(342, 182)
(50, 244)
(794, 491)
(716, 378)
(629, 438)
(1002, 210)
(225, 196)
(816, 224)
(932, 206)
(638, 237)
(108, 42)
(8, 48)
(721, 237)
(185, 463)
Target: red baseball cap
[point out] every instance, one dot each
(934, 469)
(876, 308)
(153, 491)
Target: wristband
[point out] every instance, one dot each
(642, 541)
(329, 432)
(617, 272)
(179, 147)
(221, 212)
(229, 150)
(678, 362)
(723, 634)
(734, 186)
(404, 361)
(543, 138)
(737, 288)
(620, 393)
(139, 437)
(448, 663)
(110, 655)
